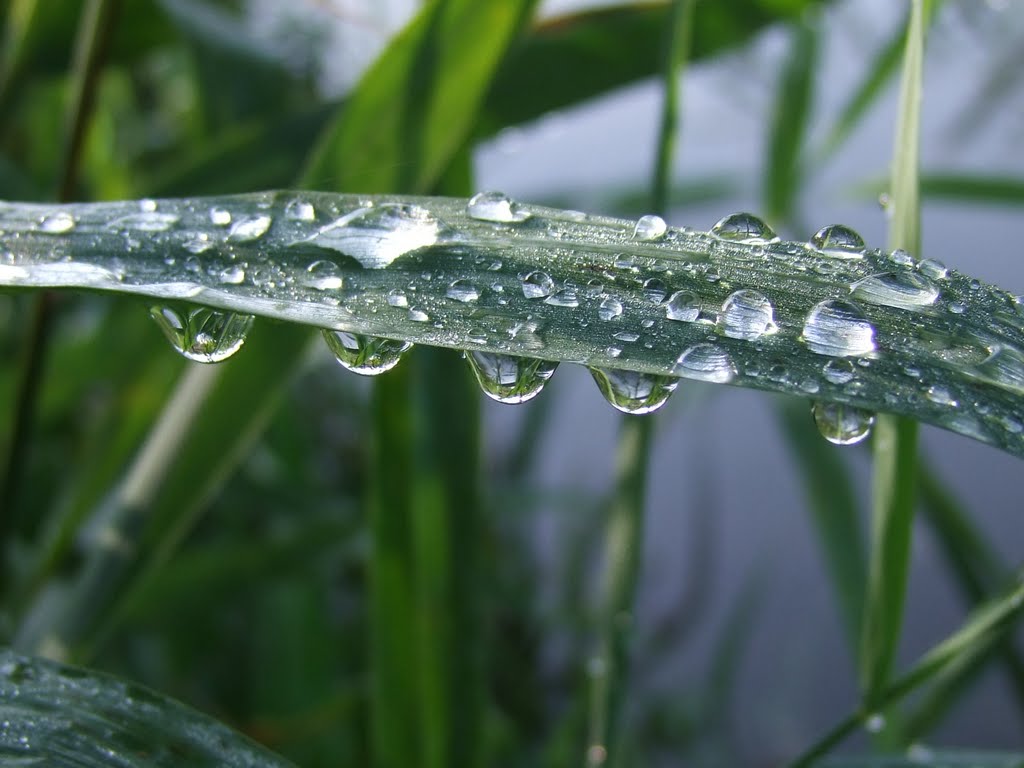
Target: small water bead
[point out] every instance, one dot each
(197, 242)
(634, 392)
(683, 306)
(748, 315)
(903, 290)
(941, 396)
(563, 298)
(838, 371)
(838, 328)
(842, 424)
(298, 209)
(202, 334)
(496, 207)
(902, 257)
(365, 355)
(418, 315)
(705, 362)
(147, 221)
(463, 290)
(397, 298)
(650, 227)
(743, 228)
(323, 275)
(538, 285)
(377, 235)
(956, 308)
(220, 217)
(57, 223)
(248, 229)
(839, 242)
(232, 275)
(510, 379)
(655, 290)
(1004, 367)
(610, 309)
(627, 336)
(933, 269)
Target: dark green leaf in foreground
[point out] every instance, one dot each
(63, 717)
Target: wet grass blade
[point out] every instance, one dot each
(895, 438)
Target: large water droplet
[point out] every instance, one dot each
(220, 217)
(609, 309)
(365, 355)
(632, 391)
(323, 275)
(744, 228)
(462, 290)
(655, 290)
(250, 228)
(563, 298)
(650, 227)
(298, 209)
(538, 285)
(202, 334)
(510, 379)
(842, 424)
(838, 328)
(933, 269)
(903, 290)
(747, 314)
(683, 306)
(839, 242)
(496, 207)
(378, 235)
(706, 362)
(57, 223)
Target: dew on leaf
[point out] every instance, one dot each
(634, 392)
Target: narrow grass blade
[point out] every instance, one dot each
(62, 716)
(895, 441)
(924, 757)
(794, 103)
(973, 188)
(832, 504)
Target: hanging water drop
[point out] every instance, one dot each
(375, 236)
(842, 424)
(903, 290)
(510, 379)
(650, 227)
(634, 392)
(748, 315)
(249, 229)
(705, 362)
(365, 355)
(463, 290)
(838, 328)
(298, 209)
(839, 242)
(202, 334)
(538, 285)
(610, 309)
(496, 207)
(744, 228)
(683, 306)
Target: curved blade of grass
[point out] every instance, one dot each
(974, 356)
(62, 716)
(895, 438)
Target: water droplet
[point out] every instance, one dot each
(934, 269)
(147, 221)
(510, 379)
(632, 391)
(875, 723)
(248, 229)
(842, 424)
(563, 298)
(627, 336)
(838, 328)
(902, 258)
(463, 290)
(838, 241)
(683, 306)
(706, 362)
(496, 207)
(744, 228)
(397, 298)
(941, 396)
(298, 209)
(903, 290)
(956, 308)
(747, 314)
(57, 223)
(1004, 367)
(147, 205)
(220, 217)
(365, 355)
(197, 242)
(610, 309)
(232, 275)
(655, 290)
(202, 334)
(377, 235)
(838, 371)
(650, 227)
(418, 315)
(538, 285)
(323, 275)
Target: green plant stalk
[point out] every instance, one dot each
(964, 338)
(895, 439)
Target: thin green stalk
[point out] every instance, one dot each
(895, 443)
(624, 535)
